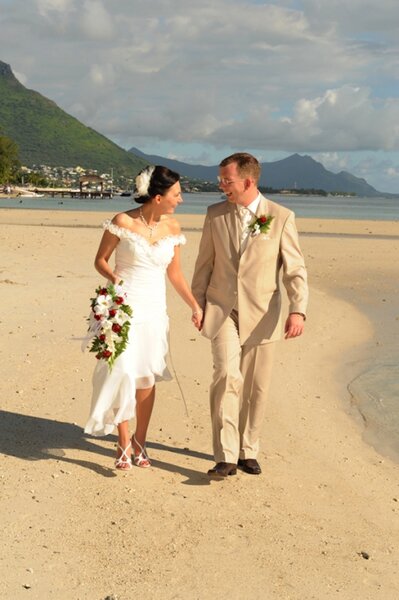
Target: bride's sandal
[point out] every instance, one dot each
(124, 462)
(141, 460)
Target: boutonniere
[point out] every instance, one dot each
(260, 225)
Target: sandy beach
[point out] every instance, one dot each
(321, 522)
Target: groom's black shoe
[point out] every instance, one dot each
(222, 470)
(250, 465)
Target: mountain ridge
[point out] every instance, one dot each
(294, 171)
(46, 134)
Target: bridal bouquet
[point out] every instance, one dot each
(109, 323)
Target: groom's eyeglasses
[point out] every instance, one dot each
(224, 181)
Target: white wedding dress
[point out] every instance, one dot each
(141, 266)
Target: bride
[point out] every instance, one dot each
(146, 242)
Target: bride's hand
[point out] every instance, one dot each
(197, 317)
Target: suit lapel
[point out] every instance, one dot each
(231, 219)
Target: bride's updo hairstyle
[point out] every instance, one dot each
(152, 181)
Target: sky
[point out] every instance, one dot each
(198, 80)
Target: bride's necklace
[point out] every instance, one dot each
(152, 228)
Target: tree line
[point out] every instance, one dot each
(9, 160)
(10, 165)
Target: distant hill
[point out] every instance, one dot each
(190, 171)
(47, 135)
(295, 171)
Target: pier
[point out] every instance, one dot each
(72, 192)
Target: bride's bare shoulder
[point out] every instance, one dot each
(125, 219)
(172, 224)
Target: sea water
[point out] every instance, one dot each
(375, 394)
(318, 207)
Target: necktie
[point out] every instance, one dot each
(245, 219)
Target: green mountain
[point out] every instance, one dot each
(47, 135)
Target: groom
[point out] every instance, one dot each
(246, 241)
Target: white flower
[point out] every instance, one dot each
(101, 311)
(103, 303)
(142, 181)
(107, 326)
(120, 318)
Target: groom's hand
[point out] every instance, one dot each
(294, 325)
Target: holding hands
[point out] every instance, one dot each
(197, 318)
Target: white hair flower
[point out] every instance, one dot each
(143, 179)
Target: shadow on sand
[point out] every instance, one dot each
(35, 438)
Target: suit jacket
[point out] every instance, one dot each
(251, 283)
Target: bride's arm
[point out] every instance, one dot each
(181, 286)
(108, 243)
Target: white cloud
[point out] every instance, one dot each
(95, 21)
(357, 16)
(392, 172)
(342, 119)
(46, 7)
(333, 161)
(297, 75)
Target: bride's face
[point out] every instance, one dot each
(171, 199)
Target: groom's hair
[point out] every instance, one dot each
(247, 165)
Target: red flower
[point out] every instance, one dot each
(106, 353)
(99, 356)
(116, 328)
(102, 337)
(103, 292)
(97, 317)
(112, 313)
(119, 300)
(262, 219)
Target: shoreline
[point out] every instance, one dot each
(194, 222)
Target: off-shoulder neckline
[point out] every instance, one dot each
(142, 237)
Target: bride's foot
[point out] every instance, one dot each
(123, 461)
(141, 459)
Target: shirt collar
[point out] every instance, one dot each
(253, 207)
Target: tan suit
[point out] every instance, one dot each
(241, 297)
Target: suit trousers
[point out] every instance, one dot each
(238, 393)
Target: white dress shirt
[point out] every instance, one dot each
(247, 215)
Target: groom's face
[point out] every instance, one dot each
(232, 184)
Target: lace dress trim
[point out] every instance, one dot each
(123, 232)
